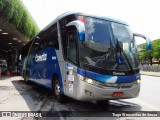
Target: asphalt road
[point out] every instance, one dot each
(15, 95)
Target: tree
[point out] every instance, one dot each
(146, 55)
(156, 50)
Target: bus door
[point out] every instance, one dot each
(71, 63)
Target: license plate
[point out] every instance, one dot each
(117, 94)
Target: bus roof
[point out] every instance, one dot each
(79, 13)
(76, 13)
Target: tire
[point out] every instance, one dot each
(57, 92)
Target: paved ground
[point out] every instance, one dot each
(15, 95)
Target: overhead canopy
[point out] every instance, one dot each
(16, 26)
(10, 38)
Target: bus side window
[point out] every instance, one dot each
(35, 45)
(53, 42)
(26, 49)
(43, 39)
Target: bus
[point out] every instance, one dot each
(85, 57)
(3, 66)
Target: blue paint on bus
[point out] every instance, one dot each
(105, 78)
(42, 65)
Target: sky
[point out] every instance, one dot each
(142, 15)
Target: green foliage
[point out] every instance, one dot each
(14, 12)
(154, 53)
(2, 4)
(156, 49)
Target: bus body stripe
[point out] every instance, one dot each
(108, 78)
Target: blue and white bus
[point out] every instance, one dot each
(85, 57)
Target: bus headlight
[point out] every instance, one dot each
(138, 81)
(87, 80)
(90, 81)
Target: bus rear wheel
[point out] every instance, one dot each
(56, 90)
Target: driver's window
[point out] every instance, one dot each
(71, 46)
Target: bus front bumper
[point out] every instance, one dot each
(88, 92)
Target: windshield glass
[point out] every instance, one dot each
(124, 35)
(97, 34)
(101, 50)
(126, 45)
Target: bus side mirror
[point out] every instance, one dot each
(148, 41)
(80, 28)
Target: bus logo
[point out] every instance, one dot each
(42, 57)
(118, 73)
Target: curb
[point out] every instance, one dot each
(156, 74)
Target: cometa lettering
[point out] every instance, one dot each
(42, 57)
(118, 73)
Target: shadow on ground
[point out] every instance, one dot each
(39, 99)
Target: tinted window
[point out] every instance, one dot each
(25, 49)
(97, 33)
(40, 42)
(71, 47)
(34, 46)
(42, 39)
(53, 42)
(63, 22)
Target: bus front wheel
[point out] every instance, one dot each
(57, 92)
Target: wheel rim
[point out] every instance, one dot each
(57, 89)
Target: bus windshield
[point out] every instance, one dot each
(102, 48)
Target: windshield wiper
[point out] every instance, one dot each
(129, 64)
